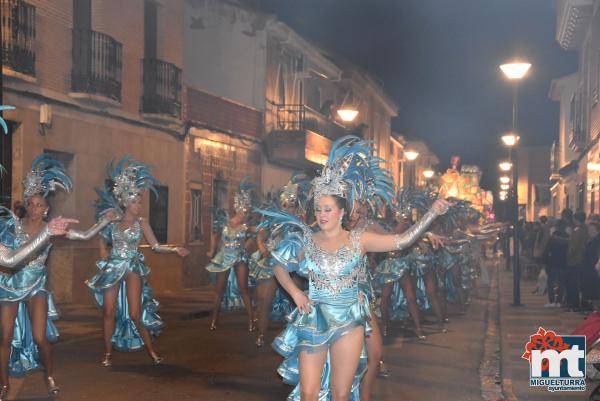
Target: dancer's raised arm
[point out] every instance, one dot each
(372, 242)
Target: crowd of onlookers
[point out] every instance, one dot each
(568, 249)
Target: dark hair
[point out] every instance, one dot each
(567, 214)
(543, 219)
(342, 203)
(596, 225)
(579, 216)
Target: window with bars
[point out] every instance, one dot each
(196, 216)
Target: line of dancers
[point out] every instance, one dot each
(337, 257)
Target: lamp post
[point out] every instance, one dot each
(411, 156)
(515, 71)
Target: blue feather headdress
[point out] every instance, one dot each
(345, 173)
(296, 191)
(130, 179)
(408, 199)
(245, 196)
(46, 175)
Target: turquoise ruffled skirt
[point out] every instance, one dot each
(315, 332)
(19, 287)
(225, 261)
(113, 272)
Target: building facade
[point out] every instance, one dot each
(93, 82)
(576, 153)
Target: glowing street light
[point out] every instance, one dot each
(515, 70)
(505, 166)
(411, 155)
(504, 187)
(505, 179)
(510, 139)
(503, 195)
(428, 173)
(347, 113)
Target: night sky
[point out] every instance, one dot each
(439, 59)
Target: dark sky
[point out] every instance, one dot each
(439, 61)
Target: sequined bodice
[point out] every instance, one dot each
(22, 237)
(334, 276)
(125, 242)
(233, 238)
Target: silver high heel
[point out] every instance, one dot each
(383, 372)
(213, 325)
(4, 393)
(157, 360)
(106, 360)
(53, 389)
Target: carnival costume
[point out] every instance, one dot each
(335, 278)
(232, 248)
(29, 280)
(129, 180)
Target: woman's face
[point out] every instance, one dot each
(359, 213)
(328, 214)
(135, 206)
(37, 207)
(289, 207)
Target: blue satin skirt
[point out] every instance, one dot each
(225, 262)
(113, 272)
(316, 332)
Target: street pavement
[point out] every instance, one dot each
(225, 365)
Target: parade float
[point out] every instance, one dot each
(463, 183)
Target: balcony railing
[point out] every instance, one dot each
(162, 88)
(296, 117)
(97, 63)
(18, 36)
(577, 131)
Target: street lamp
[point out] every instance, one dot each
(428, 173)
(515, 71)
(502, 195)
(411, 155)
(347, 113)
(505, 166)
(504, 187)
(504, 179)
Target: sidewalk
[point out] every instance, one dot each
(516, 325)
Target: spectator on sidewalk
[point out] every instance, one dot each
(555, 259)
(589, 276)
(567, 217)
(542, 238)
(577, 242)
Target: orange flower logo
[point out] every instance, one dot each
(544, 340)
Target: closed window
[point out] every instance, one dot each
(159, 213)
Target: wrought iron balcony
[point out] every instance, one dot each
(162, 88)
(97, 64)
(299, 117)
(18, 36)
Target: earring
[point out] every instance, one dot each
(46, 214)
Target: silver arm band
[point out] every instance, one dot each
(12, 258)
(158, 248)
(90, 233)
(407, 238)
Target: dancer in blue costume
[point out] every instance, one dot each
(26, 305)
(396, 273)
(292, 199)
(120, 287)
(330, 322)
(229, 255)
